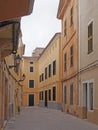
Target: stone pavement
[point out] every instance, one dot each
(47, 119)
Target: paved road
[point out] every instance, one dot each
(46, 119)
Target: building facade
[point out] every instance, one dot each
(30, 94)
(68, 13)
(10, 85)
(50, 74)
(10, 14)
(88, 60)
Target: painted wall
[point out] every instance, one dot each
(51, 53)
(29, 76)
(88, 62)
(69, 76)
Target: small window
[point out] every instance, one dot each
(46, 73)
(54, 93)
(49, 94)
(65, 94)
(71, 56)
(90, 37)
(31, 69)
(42, 95)
(65, 60)
(31, 83)
(40, 79)
(31, 62)
(71, 94)
(54, 67)
(39, 95)
(49, 72)
(42, 76)
(71, 16)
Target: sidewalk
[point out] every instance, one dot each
(47, 119)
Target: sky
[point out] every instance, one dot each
(39, 27)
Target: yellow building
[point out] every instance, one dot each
(11, 86)
(10, 14)
(68, 13)
(30, 94)
(50, 74)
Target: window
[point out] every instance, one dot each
(49, 94)
(90, 37)
(42, 94)
(39, 95)
(91, 96)
(65, 29)
(42, 76)
(71, 16)
(65, 94)
(71, 56)
(46, 73)
(31, 69)
(31, 62)
(31, 83)
(54, 93)
(65, 60)
(71, 94)
(49, 67)
(54, 67)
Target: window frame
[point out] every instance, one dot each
(90, 37)
(49, 94)
(65, 62)
(91, 104)
(31, 83)
(71, 56)
(71, 94)
(46, 73)
(49, 70)
(54, 93)
(71, 16)
(54, 67)
(31, 70)
(31, 62)
(65, 95)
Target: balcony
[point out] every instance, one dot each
(9, 35)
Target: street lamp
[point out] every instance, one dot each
(17, 59)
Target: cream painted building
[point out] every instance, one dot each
(50, 74)
(88, 60)
(30, 93)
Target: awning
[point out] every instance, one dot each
(15, 8)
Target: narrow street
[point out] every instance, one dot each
(47, 119)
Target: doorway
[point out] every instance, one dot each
(31, 99)
(85, 99)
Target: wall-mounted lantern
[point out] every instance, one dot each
(17, 62)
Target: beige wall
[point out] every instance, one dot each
(88, 63)
(88, 13)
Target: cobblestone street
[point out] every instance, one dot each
(47, 119)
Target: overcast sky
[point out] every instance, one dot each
(39, 27)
